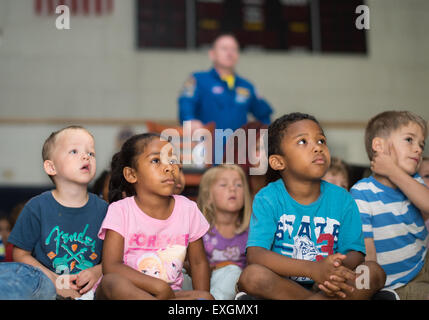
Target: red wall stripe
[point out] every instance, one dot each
(86, 7)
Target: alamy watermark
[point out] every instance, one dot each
(63, 20)
(362, 278)
(63, 279)
(362, 22)
(196, 147)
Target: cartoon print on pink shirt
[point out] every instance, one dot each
(151, 265)
(165, 264)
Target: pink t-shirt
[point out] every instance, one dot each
(156, 247)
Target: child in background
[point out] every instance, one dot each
(424, 170)
(305, 237)
(337, 173)
(101, 185)
(255, 156)
(57, 230)
(148, 234)
(225, 201)
(393, 202)
(13, 216)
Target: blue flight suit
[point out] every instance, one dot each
(206, 97)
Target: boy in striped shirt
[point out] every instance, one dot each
(393, 202)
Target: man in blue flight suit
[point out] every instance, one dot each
(220, 95)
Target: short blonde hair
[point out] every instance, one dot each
(49, 144)
(383, 124)
(208, 209)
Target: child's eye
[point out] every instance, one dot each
(173, 161)
(322, 141)
(91, 154)
(302, 141)
(74, 151)
(155, 160)
(409, 139)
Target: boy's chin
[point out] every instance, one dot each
(84, 181)
(409, 170)
(319, 176)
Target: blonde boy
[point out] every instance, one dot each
(57, 230)
(393, 202)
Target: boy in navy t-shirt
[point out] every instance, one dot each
(305, 239)
(57, 230)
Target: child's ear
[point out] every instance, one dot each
(277, 162)
(378, 145)
(49, 167)
(129, 174)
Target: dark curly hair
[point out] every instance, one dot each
(276, 132)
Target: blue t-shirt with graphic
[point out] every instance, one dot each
(311, 232)
(62, 239)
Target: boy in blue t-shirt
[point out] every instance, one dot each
(393, 202)
(57, 230)
(305, 239)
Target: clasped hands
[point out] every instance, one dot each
(333, 278)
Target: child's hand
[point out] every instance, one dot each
(331, 269)
(69, 289)
(336, 288)
(86, 279)
(336, 285)
(163, 291)
(384, 163)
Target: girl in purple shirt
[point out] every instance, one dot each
(225, 201)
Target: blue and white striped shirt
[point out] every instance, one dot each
(397, 227)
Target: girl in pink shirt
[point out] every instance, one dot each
(148, 230)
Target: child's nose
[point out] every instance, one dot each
(169, 167)
(317, 148)
(418, 149)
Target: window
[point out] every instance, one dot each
(307, 25)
